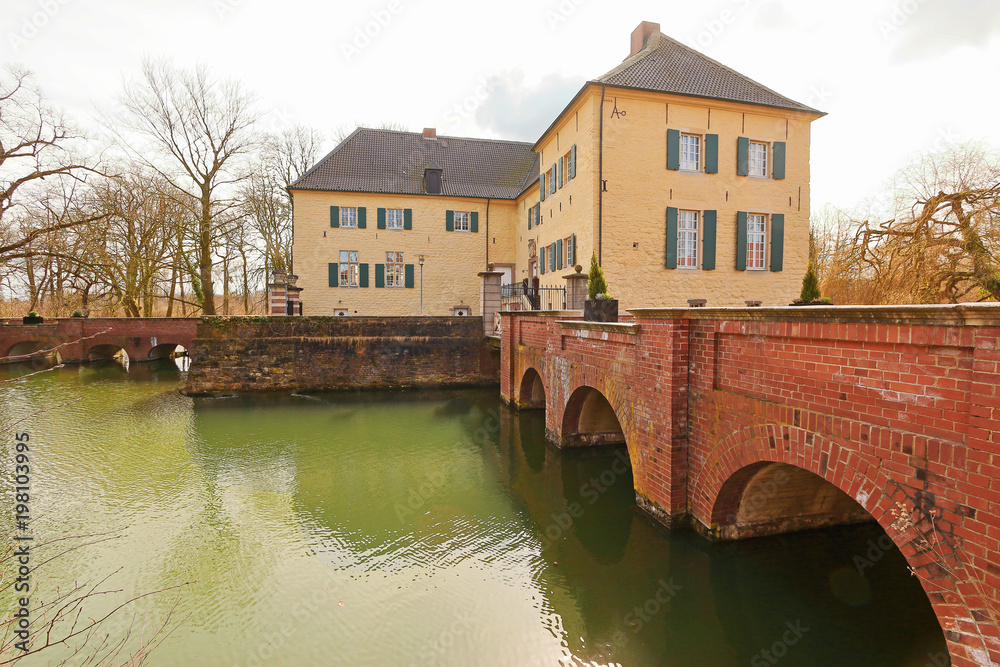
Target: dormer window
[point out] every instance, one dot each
(432, 181)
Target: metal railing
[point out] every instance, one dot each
(519, 296)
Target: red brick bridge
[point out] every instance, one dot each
(77, 339)
(746, 422)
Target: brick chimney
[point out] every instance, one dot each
(430, 133)
(641, 35)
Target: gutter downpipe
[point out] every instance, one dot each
(488, 200)
(600, 182)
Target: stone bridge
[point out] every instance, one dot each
(748, 422)
(77, 339)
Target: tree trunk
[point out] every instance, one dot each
(205, 254)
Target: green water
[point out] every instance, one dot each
(413, 528)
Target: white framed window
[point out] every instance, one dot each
(687, 239)
(394, 218)
(758, 159)
(348, 268)
(348, 216)
(690, 152)
(462, 221)
(394, 269)
(756, 238)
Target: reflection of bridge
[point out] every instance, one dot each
(748, 422)
(77, 339)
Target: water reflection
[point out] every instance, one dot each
(429, 528)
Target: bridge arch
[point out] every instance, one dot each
(107, 352)
(24, 351)
(744, 477)
(531, 391)
(165, 351)
(590, 419)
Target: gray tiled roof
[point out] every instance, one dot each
(671, 67)
(391, 161)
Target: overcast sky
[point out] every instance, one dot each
(897, 77)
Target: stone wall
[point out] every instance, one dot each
(331, 353)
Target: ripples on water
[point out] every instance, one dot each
(419, 528)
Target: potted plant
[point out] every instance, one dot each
(32, 318)
(810, 295)
(600, 306)
(77, 313)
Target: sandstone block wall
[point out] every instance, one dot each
(330, 353)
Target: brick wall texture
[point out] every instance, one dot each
(895, 406)
(75, 337)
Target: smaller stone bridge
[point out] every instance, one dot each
(79, 339)
(753, 421)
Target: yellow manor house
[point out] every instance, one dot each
(687, 179)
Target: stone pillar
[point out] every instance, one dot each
(576, 289)
(277, 294)
(293, 295)
(490, 299)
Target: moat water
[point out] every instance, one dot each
(411, 528)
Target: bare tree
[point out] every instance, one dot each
(38, 169)
(344, 131)
(266, 203)
(130, 253)
(196, 132)
(942, 244)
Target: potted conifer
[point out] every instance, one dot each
(600, 306)
(810, 295)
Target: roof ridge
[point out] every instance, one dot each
(326, 157)
(739, 74)
(445, 136)
(644, 52)
(657, 41)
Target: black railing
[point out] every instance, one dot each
(525, 297)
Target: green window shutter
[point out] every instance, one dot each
(743, 156)
(778, 170)
(553, 184)
(552, 257)
(380, 275)
(572, 162)
(559, 167)
(571, 251)
(531, 216)
(538, 214)
(449, 221)
(673, 149)
(408, 275)
(541, 186)
(777, 241)
(362, 275)
(474, 224)
(334, 274)
(708, 240)
(543, 255)
(381, 219)
(407, 218)
(671, 238)
(741, 241)
(711, 154)
(335, 216)
(362, 217)
(559, 254)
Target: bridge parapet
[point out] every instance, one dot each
(735, 417)
(76, 337)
